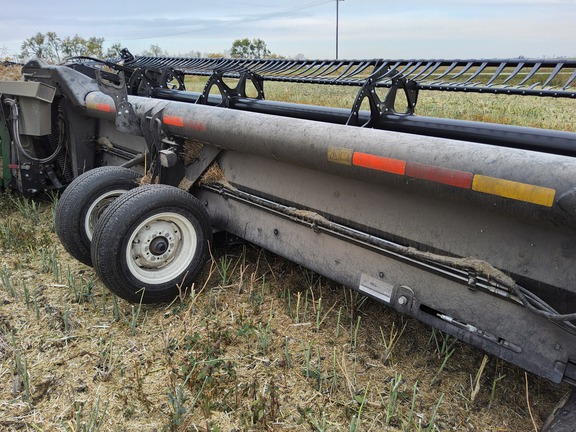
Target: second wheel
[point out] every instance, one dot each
(151, 243)
(84, 201)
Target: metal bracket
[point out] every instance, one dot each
(126, 119)
(198, 167)
(570, 372)
(228, 93)
(126, 56)
(403, 299)
(154, 135)
(143, 80)
(563, 418)
(151, 129)
(5, 153)
(378, 107)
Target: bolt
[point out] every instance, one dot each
(381, 275)
(402, 300)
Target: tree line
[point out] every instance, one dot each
(52, 48)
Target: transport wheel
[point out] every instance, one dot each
(84, 201)
(151, 243)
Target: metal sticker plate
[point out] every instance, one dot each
(376, 288)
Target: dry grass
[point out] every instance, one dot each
(261, 344)
(10, 72)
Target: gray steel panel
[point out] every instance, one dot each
(529, 341)
(444, 225)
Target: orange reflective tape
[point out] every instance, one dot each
(104, 107)
(99, 106)
(514, 190)
(174, 120)
(380, 163)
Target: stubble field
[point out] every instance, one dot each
(260, 344)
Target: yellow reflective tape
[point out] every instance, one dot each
(515, 190)
(339, 155)
(91, 105)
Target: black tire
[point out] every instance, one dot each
(151, 243)
(83, 202)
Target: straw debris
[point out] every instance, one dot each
(214, 174)
(10, 72)
(190, 150)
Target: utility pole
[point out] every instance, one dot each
(337, 19)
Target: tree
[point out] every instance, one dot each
(114, 50)
(4, 52)
(246, 48)
(190, 54)
(94, 47)
(78, 46)
(52, 45)
(52, 48)
(35, 47)
(155, 51)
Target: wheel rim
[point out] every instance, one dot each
(96, 209)
(161, 248)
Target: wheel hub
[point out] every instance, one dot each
(156, 244)
(159, 245)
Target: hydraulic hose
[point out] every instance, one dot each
(16, 134)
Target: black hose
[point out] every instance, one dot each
(16, 134)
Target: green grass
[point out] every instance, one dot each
(234, 355)
(540, 112)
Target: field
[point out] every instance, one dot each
(260, 344)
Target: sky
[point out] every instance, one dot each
(419, 29)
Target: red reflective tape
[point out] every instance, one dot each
(445, 176)
(174, 121)
(380, 163)
(13, 166)
(195, 125)
(104, 107)
(188, 124)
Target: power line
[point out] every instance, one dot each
(337, 19)
(238, 21)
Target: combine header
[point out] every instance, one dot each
(469, 227)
